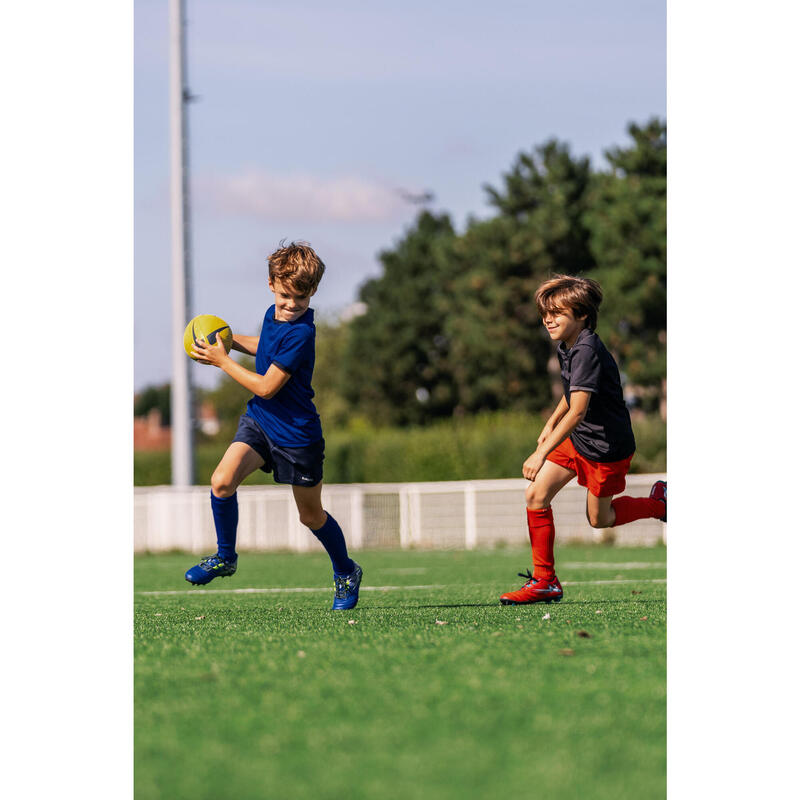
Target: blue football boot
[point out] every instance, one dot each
(345, 595)
(209, 568)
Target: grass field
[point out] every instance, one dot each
(429, 689)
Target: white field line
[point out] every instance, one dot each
(619, 580)
(565, 565)
(278, 590)
(612, 565)
(405, 570)
(295, 589)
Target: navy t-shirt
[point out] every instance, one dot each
(605, 433)
(289, 418)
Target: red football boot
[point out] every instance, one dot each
(535, 590)
(659, 492)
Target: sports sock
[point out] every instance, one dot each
(332, 538)
(542, 533)
(226, 518)
(629, 509)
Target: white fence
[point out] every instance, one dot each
(447, 515)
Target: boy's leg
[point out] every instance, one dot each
(551, 479)
(323, 526)
(542, 586)
(607, 512)
(599, 511)
(347, 574)
(238, 462)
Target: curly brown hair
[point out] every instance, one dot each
(581, 296)
(297, 266)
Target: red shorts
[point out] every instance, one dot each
(601, 478)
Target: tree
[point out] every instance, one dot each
(627, 218)
(330, 380)
(153, 397)
(397, 363)
(451, 325)
(500, 353)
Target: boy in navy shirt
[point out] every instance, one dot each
(280, 432)
(588, 435)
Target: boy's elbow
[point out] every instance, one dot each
(577, 417)
(266, 391)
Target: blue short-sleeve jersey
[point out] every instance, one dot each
(289, 418)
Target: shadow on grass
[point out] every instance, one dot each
(436, 605)
(497, 604)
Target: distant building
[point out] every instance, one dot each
(207, 419)
(149, 433)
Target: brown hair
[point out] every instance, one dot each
(581, 296)
(297, 266)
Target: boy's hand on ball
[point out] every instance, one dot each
(198, 356)
(206, 353)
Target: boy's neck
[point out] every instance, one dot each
(568, 343)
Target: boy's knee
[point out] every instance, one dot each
(536, 496)
(599, 520)
(313, 519)
(222, 484)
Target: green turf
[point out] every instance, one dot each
(272, 695)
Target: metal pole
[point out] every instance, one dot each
(182, 394)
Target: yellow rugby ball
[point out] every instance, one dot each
(207, 328)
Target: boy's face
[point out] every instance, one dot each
(289, 305)
(563, 326)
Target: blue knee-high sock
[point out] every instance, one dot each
(332, 538)
(226, 518)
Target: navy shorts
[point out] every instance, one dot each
(300, 466)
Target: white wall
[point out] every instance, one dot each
(445, 515)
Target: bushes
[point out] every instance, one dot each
(486, 446)
(491, 445)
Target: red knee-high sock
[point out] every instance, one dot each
(629, 509)
(542, 533)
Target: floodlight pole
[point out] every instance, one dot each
(182, 395)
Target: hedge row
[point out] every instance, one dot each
(486, 446)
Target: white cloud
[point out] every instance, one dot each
(302, 197)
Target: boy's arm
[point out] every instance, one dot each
(245, 344)
(576, 411)
(555, 418)
(266, 386)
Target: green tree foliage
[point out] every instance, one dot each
(545, 194)
(453, 316)
(397, 366)
(627, 219)
(500, 353)
(451, 327)
(153, 397)
(330, 380)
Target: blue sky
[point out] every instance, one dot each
(314, 116)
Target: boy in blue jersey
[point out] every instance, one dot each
(280, 432)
